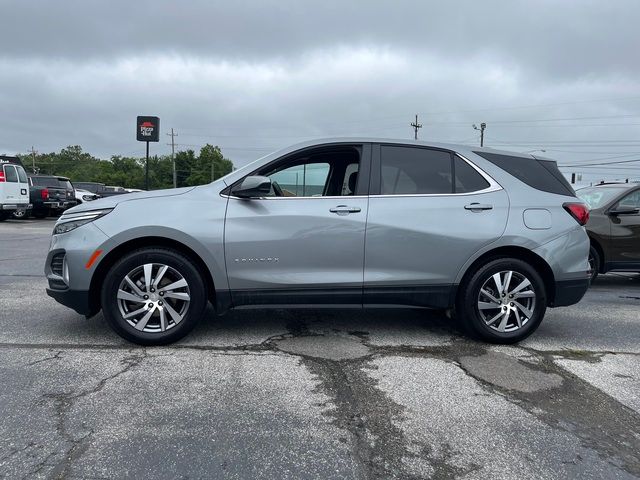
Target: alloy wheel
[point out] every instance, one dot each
(153, 298)
(506, 301)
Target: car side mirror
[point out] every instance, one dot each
(624, 211)
(253, 186)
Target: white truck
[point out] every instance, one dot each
(14, 187)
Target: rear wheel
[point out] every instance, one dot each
(594, 263)
(3, 216)
(20, 214)
(504, 301)
(153, 296)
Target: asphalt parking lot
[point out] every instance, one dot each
(313, 394)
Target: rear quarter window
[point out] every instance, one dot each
(539, 174)
(468, 180)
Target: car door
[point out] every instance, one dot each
(23, 183)
(12, 185)
(423, 226)
(625, 232)
(304, 243)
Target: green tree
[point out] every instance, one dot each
(129, 172)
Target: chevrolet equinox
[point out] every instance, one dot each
(495, 237)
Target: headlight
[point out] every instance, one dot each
(87, 198)
(71, 221)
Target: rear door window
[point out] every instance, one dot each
(22, 175)
(10, 174)
(411, 170)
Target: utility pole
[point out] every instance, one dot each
(173, 157)
(33, 152)
(416, 126)
(146, 170)
(482, 127)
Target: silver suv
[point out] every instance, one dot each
(494, 236)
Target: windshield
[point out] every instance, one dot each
(596, 197)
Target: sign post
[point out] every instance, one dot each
(147, 130)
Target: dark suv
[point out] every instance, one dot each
(613, 226)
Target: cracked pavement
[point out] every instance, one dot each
(313, 394)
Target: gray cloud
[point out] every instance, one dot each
(253, 75)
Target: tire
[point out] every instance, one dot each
(168, 319)
(475, 311)
(594, 263)
(20, 214)
(3, 216)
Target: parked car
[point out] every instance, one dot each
(496, 236)
(14, 188)
(85, 196)
(100, 188)
(50, 195)
(613, 227)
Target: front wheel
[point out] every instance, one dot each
(153, 296)
(503, 301)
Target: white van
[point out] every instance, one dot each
(14, 187)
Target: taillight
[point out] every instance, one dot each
(2, 179)
(44, 193)
(579, 211)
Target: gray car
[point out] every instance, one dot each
(495, 237)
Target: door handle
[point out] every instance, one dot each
(344, 210)
(474, 207)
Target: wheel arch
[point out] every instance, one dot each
(116, 253)
(521, 253)
(595, 243)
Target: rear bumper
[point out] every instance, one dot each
(569, 292)
(77, 300)
(59, 205)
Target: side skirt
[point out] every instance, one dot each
(412, 296)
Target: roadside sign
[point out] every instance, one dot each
(12, 160)
(148, 129)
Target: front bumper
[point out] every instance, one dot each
(570, 292)
(78, 300)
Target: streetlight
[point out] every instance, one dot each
(482, 127)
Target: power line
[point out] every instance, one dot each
(603, 163)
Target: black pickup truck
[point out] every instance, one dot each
(100, 188)
(50, 195)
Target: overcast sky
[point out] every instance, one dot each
(254, 76)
